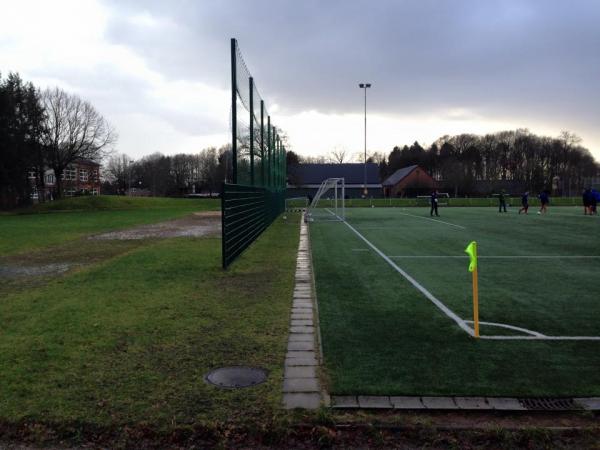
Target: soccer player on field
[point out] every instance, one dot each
(544, 200)
(434, 203)
(524, 202)
(587, 202)
(502, 201)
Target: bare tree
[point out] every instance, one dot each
(74, 129)
(118, 171)
(338, 155)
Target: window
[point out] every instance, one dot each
(31, 174)
(94, 191)
(70, 192)
(83, 175)
(50, 179)
(69, 174)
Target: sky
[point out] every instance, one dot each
(159, 71)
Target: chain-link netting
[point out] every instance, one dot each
(255, 195)
(257, 147)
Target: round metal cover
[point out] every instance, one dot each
(236, 377)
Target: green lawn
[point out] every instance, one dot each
(57, 222)
(129, 337)
(382, 336)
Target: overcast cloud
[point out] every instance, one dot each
(159, 71)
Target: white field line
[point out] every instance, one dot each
(461, 323)
(542, 338)
(510, 327)
(434, 220)
(498, 257)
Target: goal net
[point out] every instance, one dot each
(296, 203)
(328, 203)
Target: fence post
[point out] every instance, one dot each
(250, 80)
(269, 150)
(233, 112)
(262, 143)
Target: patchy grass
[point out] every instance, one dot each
(130, 339)
(54, 223)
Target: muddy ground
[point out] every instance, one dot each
(24, 270)
(201, 224)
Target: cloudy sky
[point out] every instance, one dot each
(159, 71)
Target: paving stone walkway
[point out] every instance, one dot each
(301, 387)
(460, 403)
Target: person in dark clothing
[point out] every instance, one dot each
(593, 201)
(524, 203)
(587, 202)
(502, 201)
(544, 200)
(434, 204)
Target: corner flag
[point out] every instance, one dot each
(471, 250)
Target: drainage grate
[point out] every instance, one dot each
(549, 404)
(236, 377)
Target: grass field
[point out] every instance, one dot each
(383, 336)
(127, 337)
(56, 222)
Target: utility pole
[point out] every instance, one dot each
(365, 86)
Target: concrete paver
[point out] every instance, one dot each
(301, 400)
(439, 402)
(504, 403)
(302, 345)
(374, 401)
(405, 402)
(472, 403)
(300, 385)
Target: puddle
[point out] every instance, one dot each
(197, 225)
(33, 271)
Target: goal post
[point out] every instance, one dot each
(329, 202)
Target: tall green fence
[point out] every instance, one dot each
(255, 195)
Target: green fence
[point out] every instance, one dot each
(255, 195)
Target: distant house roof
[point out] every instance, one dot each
(398, 176)
(86, 161)
(312, 174)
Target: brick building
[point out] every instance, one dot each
(408, 182)
(82, 177)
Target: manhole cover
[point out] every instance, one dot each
(236, 377)
(549, 404)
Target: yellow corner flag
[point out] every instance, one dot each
(471, 250)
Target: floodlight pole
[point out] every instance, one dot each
(365, 86)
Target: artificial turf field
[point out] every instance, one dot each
(539, 273)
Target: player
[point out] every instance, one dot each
(502, 201)
(544, 200)
(524, 203)
(587, 202)
(594, 195)
(434, 203)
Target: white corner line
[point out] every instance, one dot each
(461, 323)
(511, 327)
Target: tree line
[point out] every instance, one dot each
(467, 164)
(510, 158)
(44, 129)
(161, 175)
